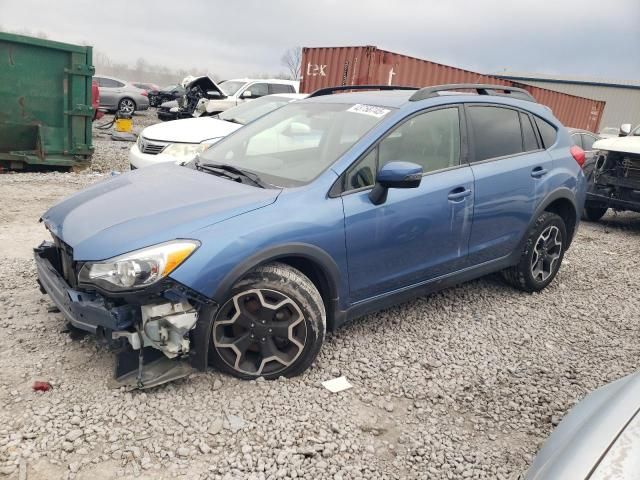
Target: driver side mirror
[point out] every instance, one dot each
(247, 94)
(395, 175)
(213, 94)
(625, 129)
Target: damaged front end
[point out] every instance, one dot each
(149, 326)
(616, 181)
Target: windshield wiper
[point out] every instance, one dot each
(231, 172)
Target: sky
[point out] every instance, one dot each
(591, 38)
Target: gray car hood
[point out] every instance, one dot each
(576, 447)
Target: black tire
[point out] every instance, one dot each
(525, 275)
(593, 213)
(127, 105)
(302, 319)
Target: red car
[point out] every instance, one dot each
(95, 100)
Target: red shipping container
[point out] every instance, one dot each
(332, 66)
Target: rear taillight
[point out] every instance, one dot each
(144, 93)
(578, 155)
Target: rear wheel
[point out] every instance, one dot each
(542, 254)
(594, 213)
(126, 105)
(273, 324)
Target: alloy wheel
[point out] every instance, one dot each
(127, 105)
(259, 331)
(546, 253)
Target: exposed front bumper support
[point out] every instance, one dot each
(145, 361)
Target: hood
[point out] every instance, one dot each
(206, 84)
(190, 130)
(588, 431)
(629, 144)
(148, 206)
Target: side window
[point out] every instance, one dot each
(280, 88)
(108, 83)
(431, 139)
(258, 90)
(588, 141)
(363, 173)
(547, 132)
(576, 139)
(496, 132)
(99, 80)
(528, 136)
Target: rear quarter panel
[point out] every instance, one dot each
(567, 175)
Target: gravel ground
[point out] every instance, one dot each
(111, 155)
(462, 384)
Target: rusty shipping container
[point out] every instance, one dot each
(368, 65)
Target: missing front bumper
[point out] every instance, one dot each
(152, 333)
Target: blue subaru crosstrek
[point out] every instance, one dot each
(322, 211)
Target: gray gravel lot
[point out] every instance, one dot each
(461, 384)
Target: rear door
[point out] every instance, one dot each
(509, 167)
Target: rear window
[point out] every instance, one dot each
(576, 140)
(588, 141)
(547, 132)
(496, 132)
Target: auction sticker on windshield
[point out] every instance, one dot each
(372, 110)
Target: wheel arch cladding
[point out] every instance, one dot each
(565, 209)
(313, 262)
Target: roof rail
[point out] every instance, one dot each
(341, 88)
(480, 88)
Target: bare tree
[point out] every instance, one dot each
(291, 61)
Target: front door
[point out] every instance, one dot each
(417, 234)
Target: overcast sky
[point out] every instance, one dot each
(239, 38)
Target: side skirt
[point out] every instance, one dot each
(405, 294)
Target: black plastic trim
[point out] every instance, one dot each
(303, 250)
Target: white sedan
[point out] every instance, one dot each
(179, 141)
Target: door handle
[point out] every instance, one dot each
(458, 194)
(538, 172)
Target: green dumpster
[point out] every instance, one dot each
(45, 103)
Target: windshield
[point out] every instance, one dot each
(249, 111)
(294, 144)
(230, 87)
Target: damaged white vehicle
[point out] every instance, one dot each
(614, 177)
(181, 140)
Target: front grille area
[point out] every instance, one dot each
(151, 147)
(66, 266)
(631, 168)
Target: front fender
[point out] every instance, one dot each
(297, 250)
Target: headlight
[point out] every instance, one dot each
(185, 152)
(138, 269)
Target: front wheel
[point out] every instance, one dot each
(542, 254)
(272, 324)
